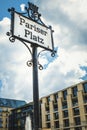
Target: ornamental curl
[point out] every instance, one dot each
(12, 39)
(53, 53)
(8, 33)
(40, 67)
(29, 63)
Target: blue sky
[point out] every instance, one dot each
(69, 22)
(4, 5)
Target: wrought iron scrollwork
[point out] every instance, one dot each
(53, 53)
(40, 67)
(29, 63)
(11, 38)
(32, 12)
(8, 33)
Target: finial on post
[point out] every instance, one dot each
(32, 11)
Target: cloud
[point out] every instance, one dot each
(22, 6)
(13, 68)
(70, 18)
(64, 71)
(68, 22)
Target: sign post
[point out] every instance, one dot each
(32, 30)
(35, 90)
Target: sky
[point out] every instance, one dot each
(68, 19)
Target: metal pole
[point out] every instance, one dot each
(35, 88)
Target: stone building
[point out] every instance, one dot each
(17, 117)
(65, 109)
(6, 105)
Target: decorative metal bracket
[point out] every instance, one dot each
(32, 11)
(29, 62)
(33, 14)
(11, 38)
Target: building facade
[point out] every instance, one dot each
(65, 109)
(6, 105)
(4, 112)
(18, 116)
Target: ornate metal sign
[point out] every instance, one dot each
(28, 30)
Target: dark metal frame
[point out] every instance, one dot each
(34, 15)
(38, 21)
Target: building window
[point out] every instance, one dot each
(55, 97)
(64, 104)
(55, 106)
(47, 109)
(1, 109)
(6, 120)
(47, 117)
(75, 102)
(85, 98)
(66, 123)
(67, 129)
(78, 128)
(56, 115)
(1, 120)
(74, 91)
(48, 125)
(22, 121)
(56, 124)
(85, 109)
(76, 111)
(65, 94)
(65, 113)
(18, 115)
(1, 125)
(6, 126)
(77, 120)
(48, 100)
(0, 114)
(85, 87)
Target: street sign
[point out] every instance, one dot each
(32, 32)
